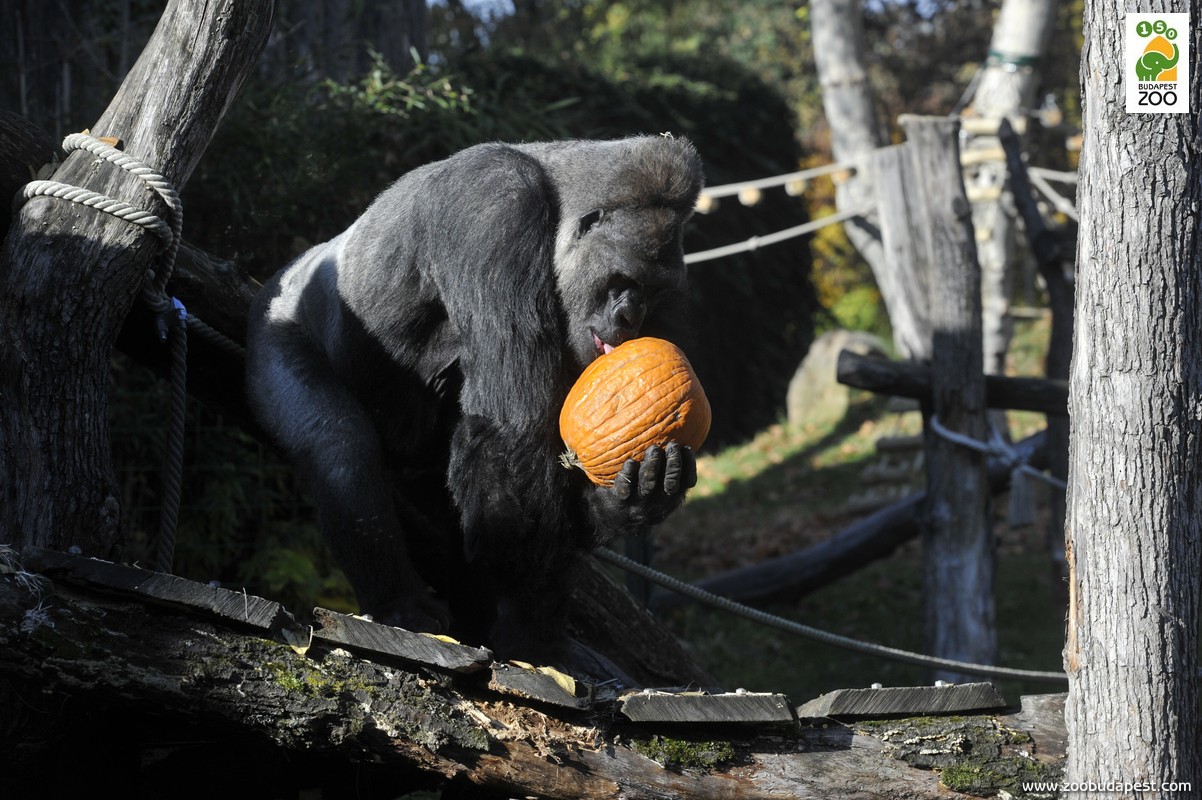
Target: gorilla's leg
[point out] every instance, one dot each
(338, 454)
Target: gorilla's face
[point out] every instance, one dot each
(619, 270)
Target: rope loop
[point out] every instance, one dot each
(997, 447)
(154, 291)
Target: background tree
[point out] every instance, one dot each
(1135, 476)
(856, 131)
(1005, 89)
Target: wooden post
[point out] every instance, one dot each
(958, 541)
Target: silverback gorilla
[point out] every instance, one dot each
(413, 368)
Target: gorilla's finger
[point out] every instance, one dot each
(680, 475)
(624, 483)
(652, 471)
(688, 478)
(673, 469)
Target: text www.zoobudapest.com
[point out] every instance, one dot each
(1116, 787)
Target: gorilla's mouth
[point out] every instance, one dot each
(602, 347)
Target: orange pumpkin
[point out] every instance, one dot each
(644, 392)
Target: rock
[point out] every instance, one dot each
(815, 396)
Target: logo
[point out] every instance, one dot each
(1156, 64)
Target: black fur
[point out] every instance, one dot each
(413, 367)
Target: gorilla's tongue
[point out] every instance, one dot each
(602, 347)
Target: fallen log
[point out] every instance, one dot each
(877, 536)
(199, 704)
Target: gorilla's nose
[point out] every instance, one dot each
(629, 316)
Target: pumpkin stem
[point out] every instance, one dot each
(569, 460)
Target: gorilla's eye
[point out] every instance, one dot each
(589, 220)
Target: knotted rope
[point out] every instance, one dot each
(1021, 508)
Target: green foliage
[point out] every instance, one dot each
(860, 309)
(382, 91)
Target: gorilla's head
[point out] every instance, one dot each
(618, 259)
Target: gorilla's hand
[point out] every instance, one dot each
(646, 491)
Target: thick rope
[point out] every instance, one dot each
(215, 337)
(173, 470)
(998, 448)
(154, 293)
(771, 620)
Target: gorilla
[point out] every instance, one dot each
(413, 368)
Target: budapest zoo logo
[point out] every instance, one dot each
(1156, 67)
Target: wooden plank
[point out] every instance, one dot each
(231, 606)
(903, 701)
(650, 705)
(372, 637)
(531, 684)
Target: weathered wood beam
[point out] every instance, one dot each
(1054, 254)
(913, 380)
(958, 548)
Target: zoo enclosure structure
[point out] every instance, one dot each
(921, 213)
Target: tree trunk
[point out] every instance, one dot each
(70, 275)
(838, 38)
(1135, 475)
(1005, 91)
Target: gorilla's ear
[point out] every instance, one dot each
(589, 221)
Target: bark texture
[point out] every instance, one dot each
(1135, 476)
(206, 705)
